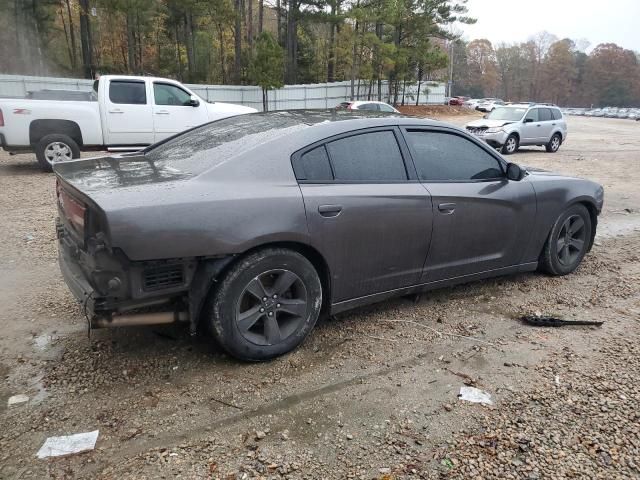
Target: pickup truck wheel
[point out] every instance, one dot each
(266, 304)
(55, 148)
(568, 241)
(554, 143)
(510, 145)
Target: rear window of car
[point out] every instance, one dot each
(443, 156)
(367, 157)
(127, 92)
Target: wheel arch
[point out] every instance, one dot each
(42, 127)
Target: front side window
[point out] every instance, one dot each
(367, 157)
(533, 115)
(443, 156)
(165, 94)
(127, 92)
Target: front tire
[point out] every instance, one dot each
(55, 148)
(568, 241)
(554, 143)
(266, 304)
(511, 145)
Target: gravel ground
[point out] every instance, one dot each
(371, 394)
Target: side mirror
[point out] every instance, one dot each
(528, 120)
(194, 102)
(514, 172)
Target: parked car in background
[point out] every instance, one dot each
(458, 101)
(511, 126)
(473, 102)
(128, 113)
(488, 105)
(369, 105)
(257, 224)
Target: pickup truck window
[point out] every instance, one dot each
(128, 92)
(166, 94)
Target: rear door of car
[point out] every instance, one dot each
(366, 211)
(128, 113)
(481, 219)
(547, 123)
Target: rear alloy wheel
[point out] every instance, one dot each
(554, 143)
(511, 145)
(568, 241)
(266, 304)
(55, 148)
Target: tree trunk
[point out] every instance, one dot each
(131, 45)
(279, 21)
(292, 42)
(72, 36)
(250, 24)
(237, 61)
(190, 44)
(85, 39)
(260, 16)
(66, 37)
(265, 100)
(223, 72)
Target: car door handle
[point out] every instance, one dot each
(162, 112)
(447, 208)
(116, 111)
(329, 210)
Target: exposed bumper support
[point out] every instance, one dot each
(137, 319)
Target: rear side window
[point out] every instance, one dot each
(132, 93)
(545, 114)
(447, 157)
(314, 166)
(557, 115)
(385, 108)
(369, 106)
(367, 157)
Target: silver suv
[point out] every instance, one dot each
(510, 126)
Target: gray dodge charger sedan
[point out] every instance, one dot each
(255, 225)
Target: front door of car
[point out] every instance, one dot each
(481, 219)
(173, 111)
(366, 212)
(531, 130)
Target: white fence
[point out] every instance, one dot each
(318, 95)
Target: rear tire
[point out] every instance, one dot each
(55, 148)
(567, 242)
(554, 143)
(266, 304)
(511, 145)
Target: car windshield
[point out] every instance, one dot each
(511, 114)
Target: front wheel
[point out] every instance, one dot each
(266, 304)
(567, 242)
(510, 145)
(55, 148)
(554, 143)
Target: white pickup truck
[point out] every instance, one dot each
(124, 113)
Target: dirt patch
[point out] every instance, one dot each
(437, 111)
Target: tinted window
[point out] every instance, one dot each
(386, 108)
(132, 93)
(533, 114)
(366, 157)
(368, 106)
(314, 166)
(165, 94)
(444, 156)
(557, 115)
(545, 114)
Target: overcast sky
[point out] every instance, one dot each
(599, 21)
